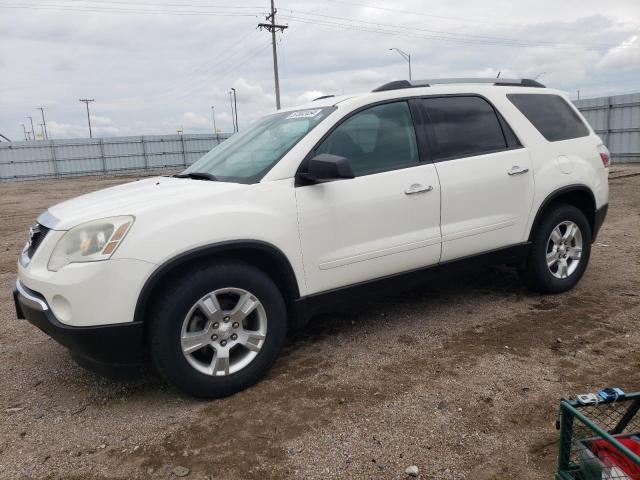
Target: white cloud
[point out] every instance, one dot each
(149, 74)
(192, 120)
(562, 67)
(625, 56)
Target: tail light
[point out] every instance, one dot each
(605, 156)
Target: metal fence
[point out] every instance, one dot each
(617, 120)
(100, 156)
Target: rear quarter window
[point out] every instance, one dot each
(551, 115)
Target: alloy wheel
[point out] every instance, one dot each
(564, 249)
(223, 331)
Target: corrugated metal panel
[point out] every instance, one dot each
(617, 120)
(83, 156)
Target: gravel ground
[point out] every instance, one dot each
(462, 381)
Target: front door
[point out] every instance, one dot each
(384, 221)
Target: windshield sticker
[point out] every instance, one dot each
(304, 114)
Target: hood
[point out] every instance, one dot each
(132, 198)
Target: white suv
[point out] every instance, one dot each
(204, 272)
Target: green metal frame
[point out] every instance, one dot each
(569, 412)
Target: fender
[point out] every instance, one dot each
(561, 192)
(271, 254)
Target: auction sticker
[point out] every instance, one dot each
(304, 113)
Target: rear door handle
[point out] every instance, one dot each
(417, 188)
(517, 170)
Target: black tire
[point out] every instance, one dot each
(535, 273)
(172, 306)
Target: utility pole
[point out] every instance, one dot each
(407, 57)
(86, 101)
(235, 107)
(215, 130)
(233, 117)
(43, 131)
(578, 94)
(24, 129)
(44, 123)
(272, 27)
(33, 132)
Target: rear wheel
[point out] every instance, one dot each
(218, 330)
(560, 250)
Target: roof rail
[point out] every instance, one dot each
(503, 82)
(322, 97)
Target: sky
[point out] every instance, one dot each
(154, 67)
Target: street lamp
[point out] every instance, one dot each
(406, 56)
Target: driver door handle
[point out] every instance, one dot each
(417, 188)
(517, 170)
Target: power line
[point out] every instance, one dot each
(96, 9)
(161, 4)
(397, 30)
(205, 82)
(422, 29)
(422, 14)
(332, 20)
(205, 67)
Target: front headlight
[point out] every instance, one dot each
(90, 242)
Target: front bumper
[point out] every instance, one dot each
(119, 344)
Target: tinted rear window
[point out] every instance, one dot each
(551, 115)
(463, 126)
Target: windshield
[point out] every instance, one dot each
(248, 155)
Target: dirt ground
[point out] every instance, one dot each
(462, 380)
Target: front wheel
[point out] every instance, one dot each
(559, 252)
(218, 330)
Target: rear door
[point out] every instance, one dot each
(485, 175)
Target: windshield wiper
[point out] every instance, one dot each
(198, 176)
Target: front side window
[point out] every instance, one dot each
(248, 155)
(374, 140)
(551, 115)
(463, 127)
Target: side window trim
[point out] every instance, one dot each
(412, 111)
(513, 142)
(421, 127)
(431, 134)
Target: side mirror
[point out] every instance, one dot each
(326, 167)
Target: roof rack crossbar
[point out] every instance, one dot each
(504, 82)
